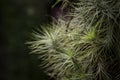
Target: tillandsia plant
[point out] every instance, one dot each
(85, 46)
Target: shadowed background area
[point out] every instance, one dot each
(18, 18)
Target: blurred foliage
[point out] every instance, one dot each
(19, 17)
(83, 44)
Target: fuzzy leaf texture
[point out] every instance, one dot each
(85, 47)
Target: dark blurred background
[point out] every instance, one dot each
(18, 18)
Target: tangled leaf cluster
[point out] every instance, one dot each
(85, 47)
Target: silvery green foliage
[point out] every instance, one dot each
(85, 47)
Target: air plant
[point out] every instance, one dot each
(85, 47)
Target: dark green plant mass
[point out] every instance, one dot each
(84, 44)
